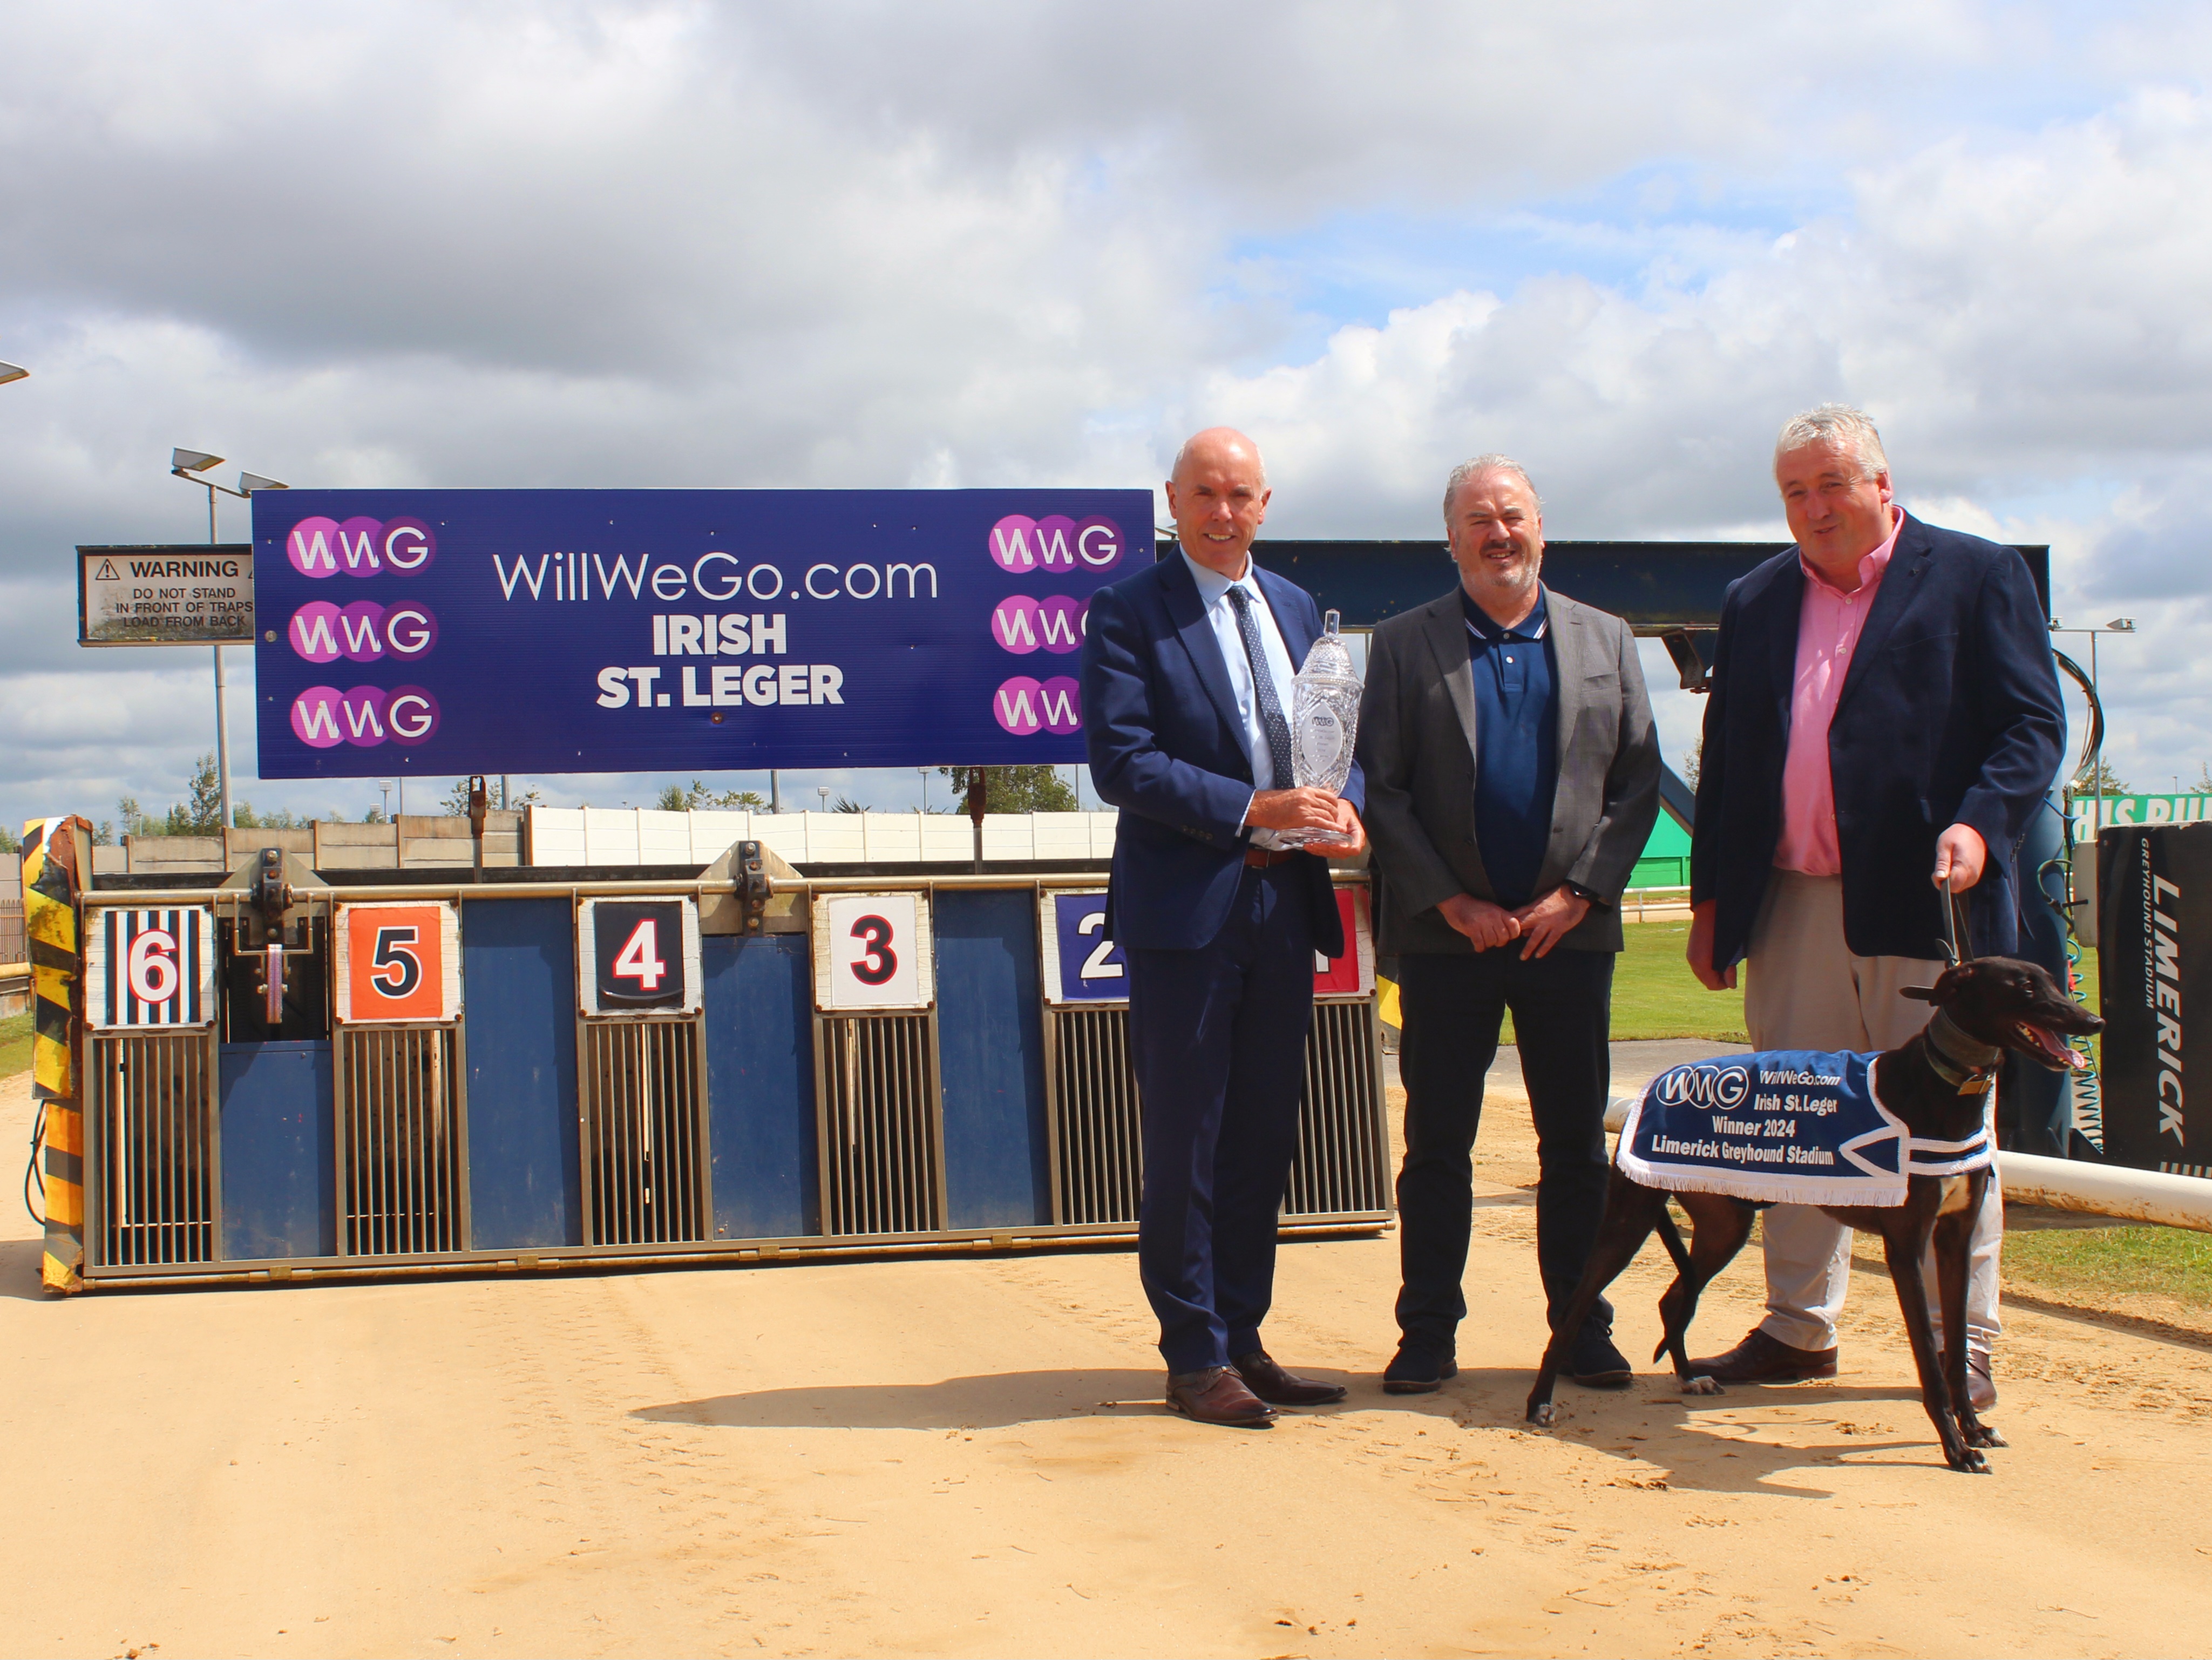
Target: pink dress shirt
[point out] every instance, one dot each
(1828, 628)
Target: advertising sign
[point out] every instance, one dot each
(2154, 949)
(189, 595)
(398, 960)
(150, 967)
(638, 956)
(2092, 813)
(872, 951)
(455, 631)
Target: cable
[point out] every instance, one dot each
(31, 1170)
(2075, 988)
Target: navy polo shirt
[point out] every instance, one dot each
(1516, 745)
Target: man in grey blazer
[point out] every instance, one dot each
(1512, 779)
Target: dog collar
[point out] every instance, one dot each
(1964, 1062)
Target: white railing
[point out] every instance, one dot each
(2140, 1196)
(1646, 904)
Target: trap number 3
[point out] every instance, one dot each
(876, 956)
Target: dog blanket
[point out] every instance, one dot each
(1795, 1126)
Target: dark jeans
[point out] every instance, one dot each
(1453, 1008)
(1217, 1040)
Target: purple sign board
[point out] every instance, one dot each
(461, 631)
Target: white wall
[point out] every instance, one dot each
(644, 836)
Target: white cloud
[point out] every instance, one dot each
(872, 244)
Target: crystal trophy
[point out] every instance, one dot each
(1324, 721)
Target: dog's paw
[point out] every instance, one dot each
(1544, 1416)
(1982, 1436)
(1701, 1386)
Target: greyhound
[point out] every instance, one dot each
(1937, 1084)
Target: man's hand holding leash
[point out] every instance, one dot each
(1960, 858)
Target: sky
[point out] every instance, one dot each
(866, 245)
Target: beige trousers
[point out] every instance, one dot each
(1804, 990)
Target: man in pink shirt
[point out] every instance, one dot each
(1885, 710)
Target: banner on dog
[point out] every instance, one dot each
(1795, 1127)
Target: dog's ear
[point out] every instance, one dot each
(1919, 993)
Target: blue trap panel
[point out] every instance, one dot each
(759, 1018)
(519, 1003)
(990, 1059)
(279, 1180)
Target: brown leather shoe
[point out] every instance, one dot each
(1279, 1387)
(1763, 1359)
(1216, 1395)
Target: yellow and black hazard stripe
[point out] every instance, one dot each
(51, 881)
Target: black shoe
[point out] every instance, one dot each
(1279, 1387)
(1597, 1364)
(1417, 1372)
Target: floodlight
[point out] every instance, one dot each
(250, 482)
(182, 461)
(2122, 625)
(12, 372)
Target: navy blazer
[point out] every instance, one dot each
(1167, 747)
(1949, 715)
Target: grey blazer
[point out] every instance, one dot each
(1417, 745)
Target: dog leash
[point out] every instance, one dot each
(1959, 942)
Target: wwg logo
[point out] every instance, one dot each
(1020, 623)
(324, 717)
(322, 547)
(1703, 1086)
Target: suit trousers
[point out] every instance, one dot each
(1217, 1041)
(1452, 1007)
(1804, 990)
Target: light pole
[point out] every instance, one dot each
(187, 465)
(924, 771)
(12, 371)
(823, 790)
(2117, 625)
(385, 784)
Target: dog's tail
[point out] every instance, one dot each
(1672, 1239)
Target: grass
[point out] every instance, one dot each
(2107, 1262)
(1655, 994)
(15, 1044)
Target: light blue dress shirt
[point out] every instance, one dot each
(1213, 593)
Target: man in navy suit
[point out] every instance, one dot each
(1885, 708)
(1187, 673)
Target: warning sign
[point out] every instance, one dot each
(194, 595)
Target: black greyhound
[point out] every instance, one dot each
(1937, 1084)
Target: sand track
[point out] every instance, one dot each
(912, 1457)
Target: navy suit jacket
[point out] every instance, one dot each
(1167, 747)
(1950, 713)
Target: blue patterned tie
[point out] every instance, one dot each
(1263, 685)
